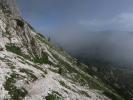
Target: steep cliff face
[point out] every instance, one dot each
(31, 68)
(9, 6)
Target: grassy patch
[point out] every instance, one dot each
(63, 84)
(60, 70)
(112, 96)
(14, 92)
(53, 96)
(17, 50)
(11, 47)
(43, 59)
(29, 73)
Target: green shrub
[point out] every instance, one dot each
(14, 92)
(20, 23)
(11, 47)
(43, 59)
(111, 95)
(60, 70)
(52, 96)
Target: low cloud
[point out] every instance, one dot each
(121, 22)
(108, 40)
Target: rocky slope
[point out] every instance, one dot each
(31, 68)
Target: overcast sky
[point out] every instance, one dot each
(68, 15)
(78, 24)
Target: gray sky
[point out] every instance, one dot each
(89, 15)
(64, 19)
(85, 25)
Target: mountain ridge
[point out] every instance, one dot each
(32, 68)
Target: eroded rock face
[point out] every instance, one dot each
(14, 30)
(9, 6)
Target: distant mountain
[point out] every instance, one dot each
(112, 67)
